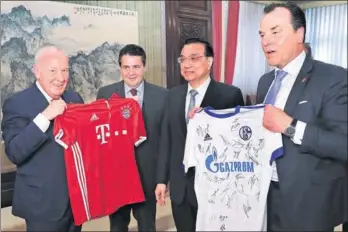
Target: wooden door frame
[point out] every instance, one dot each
(175, 11)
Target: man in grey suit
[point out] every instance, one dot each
(308, 105)
(132, 61)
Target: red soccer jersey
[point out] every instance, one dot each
(100, 163)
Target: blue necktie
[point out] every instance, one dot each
(273, 92)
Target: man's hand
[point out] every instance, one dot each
(55, 108)
(275, 119)
(193, 111)
(160, 193)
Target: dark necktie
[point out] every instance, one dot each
(134, 92)
(273, 91)
(192, 103)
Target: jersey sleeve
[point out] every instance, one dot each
(139, 132)
(274, 145)
(59, 133)
(189, 155)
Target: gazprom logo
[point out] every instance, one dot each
(237, 166)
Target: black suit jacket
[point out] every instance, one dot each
(174, 129)
(40, 191)
(312, 176)
(153, 110)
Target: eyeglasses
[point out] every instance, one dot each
(192, 59)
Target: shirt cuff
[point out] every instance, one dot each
(42, 122)
(300, 128)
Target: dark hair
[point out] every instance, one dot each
(132, 50)
(308, 49)
(208, 49)
(298, 17)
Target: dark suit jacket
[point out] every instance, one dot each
(174, 129)
(312, 176)
(40, 191)
(147, 152)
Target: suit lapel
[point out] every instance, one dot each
(209, 94)
(299, 85)
(66, 98)
(120, 89)
(41, 104)
(182, 107)
(146, 106)
(40, 100)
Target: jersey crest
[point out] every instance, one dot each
(126, 111)
(245, 133)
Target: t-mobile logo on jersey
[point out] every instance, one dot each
(103, 132)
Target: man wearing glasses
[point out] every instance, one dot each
(195, 60)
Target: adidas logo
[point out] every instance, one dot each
(94, 117)
(207, 137)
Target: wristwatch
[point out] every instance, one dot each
(290, 130)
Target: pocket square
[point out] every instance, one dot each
(302, 102)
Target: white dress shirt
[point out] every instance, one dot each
(293, 68)
(40, 120)
(202, 89)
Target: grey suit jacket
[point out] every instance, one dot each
(147, 152)
(312, 176)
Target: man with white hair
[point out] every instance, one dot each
(40, 192)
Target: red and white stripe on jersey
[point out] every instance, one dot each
(81, 177)
(80, 174)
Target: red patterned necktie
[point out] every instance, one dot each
(133, 92)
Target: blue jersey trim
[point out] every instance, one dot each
(258, 106)
(209, 109)
(276, 154)
(237, 109)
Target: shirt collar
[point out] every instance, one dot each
(48, 98)
(202, 88)
(140, 88)
(294, 67)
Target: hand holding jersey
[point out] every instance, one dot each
(193, 111)
(276, 120)
(55, 108)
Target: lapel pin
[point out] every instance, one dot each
(304, 79)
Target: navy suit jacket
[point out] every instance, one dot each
(40, 191)
(312, 176)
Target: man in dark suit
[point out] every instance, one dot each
(308, 105)
(40, 191)
(196, 60)
(132, 61)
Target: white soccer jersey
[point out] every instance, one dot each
(232, 153)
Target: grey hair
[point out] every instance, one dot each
(46, 49)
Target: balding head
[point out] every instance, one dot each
(47, 51)
(52, 70)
